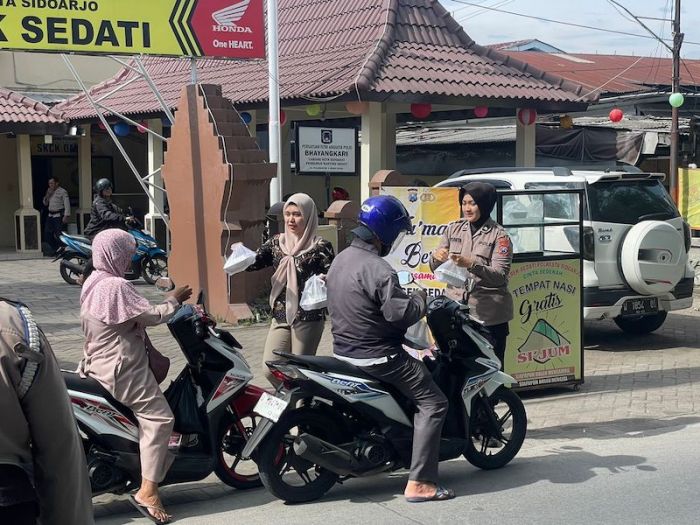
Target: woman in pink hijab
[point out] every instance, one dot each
(114, 318)
(296, 255)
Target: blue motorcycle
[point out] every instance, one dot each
(150, 261)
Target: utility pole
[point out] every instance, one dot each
(675, 83)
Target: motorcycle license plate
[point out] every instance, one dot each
(646, 305)
(270, 407)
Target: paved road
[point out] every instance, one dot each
(628, 477)
(633, 385)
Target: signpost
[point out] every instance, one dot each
(193, 28)
(326, 151)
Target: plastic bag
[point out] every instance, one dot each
(240, 258)
(419, 335)
(315, 295)
(452, 274)
(182, 398)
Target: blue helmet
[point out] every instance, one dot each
(385, 217)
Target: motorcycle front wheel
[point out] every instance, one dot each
(287, 476)
(497, 429)
(231, 468)
(69, 275)
(152, 268)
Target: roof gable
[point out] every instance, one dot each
(18, 108)
(368, 49)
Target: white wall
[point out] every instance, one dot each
(46, 72)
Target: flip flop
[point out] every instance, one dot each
(143, 509)
(441, 494)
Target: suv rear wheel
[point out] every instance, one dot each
(643, 324)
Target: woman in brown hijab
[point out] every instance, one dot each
(296, 255)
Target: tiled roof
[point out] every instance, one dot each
(366, 48)
(17, 108)
(612, 74)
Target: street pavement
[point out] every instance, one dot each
(634, 387)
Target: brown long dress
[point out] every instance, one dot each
(115, 355)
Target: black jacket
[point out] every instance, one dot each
(104, 215)
(369, 310)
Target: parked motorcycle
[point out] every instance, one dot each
(221, 377)
(150, 261)
(330, 421)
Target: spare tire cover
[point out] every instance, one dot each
(653, 257)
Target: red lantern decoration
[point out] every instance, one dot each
(527, 117)
(283, 117)
(421, 110)
(481, 111)
(101, 125)
(142, 127)
(357, 107)
(616, 115)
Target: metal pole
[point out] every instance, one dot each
(109, 130)
(274, 117)
(193, 70)
(675, 83)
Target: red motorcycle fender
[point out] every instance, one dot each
(243, 403)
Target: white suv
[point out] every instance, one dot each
(635, 243)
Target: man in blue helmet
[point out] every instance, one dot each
(370, 314)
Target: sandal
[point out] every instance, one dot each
(144, 510)
(441, 494)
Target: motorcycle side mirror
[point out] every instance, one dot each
(405, 278)
(164, 284)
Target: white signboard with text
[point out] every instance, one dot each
(326, 150)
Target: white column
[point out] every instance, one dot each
(154, 220)
(26, 218)
(285, 160)
(85, 178)
(371, 145)
(525, 144)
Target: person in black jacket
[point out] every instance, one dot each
(104, 213)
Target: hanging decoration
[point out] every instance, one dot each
(421, 110)
(101, 125)
(283, 117)
(481, 111)
(314, 110)
(356, 107)
(676, 100)
(142, 127)
(122, 129)
(616, 115)
(166, 122)
(527, 117)
(566, 122)
(246, 117)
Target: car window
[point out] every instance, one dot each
(558, 206)
(631, 201)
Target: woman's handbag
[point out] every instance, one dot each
(182, 397)
(157, 362)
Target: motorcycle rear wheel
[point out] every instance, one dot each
(280, 468)
(509, 411)
(152, 268)
(68, 275)
(231, 468)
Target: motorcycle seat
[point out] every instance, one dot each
(79, 238)
(328, 364)
(88, 385)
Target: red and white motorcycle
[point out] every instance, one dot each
(220, 377)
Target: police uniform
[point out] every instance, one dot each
(492, 251)
(43, 476)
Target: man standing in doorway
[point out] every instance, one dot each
(58, 204)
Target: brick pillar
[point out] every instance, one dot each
(386, 178)
(343, 215)
(218, 183)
